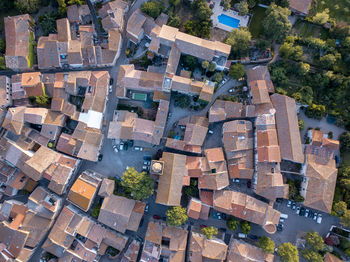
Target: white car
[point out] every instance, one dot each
(281, 220)
(138, 148)
(115, 147)
(211, 132)
(289, 203)
(298, 210)
(315, 216)
(307, 212)
(319, 219)
(231, 90)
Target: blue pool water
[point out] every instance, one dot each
(228, 20)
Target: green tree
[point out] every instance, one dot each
(226, 4)
(139, 184)
(2, 63)
(174, 21)
(27, 6)
(315, 111)
(301, 124)
(311, 255)
(344, 140)
(152, 8)
(314, 241)
(174, 2)
(176, 216)
(245, 227)
(42, 100)
(218, 77)
(2, 46)
(288, 50)
(48, 23)
(190, 61)
(321, 18)
(340, 208)
(232, 223)
(237, 71)
(276, 24)
(345, 219)
(288, 252)
(184, 101)
(243, 8)
(211, 67)
(266, 244)
(303, 69)
(251, 3)
(239, 40)
(209, 232)
(328, 61)
(202, 10)
(205, 64)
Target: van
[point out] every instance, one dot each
(241, 235)
(285, 216)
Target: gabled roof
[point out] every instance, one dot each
(241, 251)
(260, 73)
(170, 182)
(288, 128)
(222, 110)
(301, 6)
(259, 92)
(14, 119)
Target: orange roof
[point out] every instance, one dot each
(82, 193)
(194, 208)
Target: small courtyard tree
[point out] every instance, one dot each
(209, 232)
(176, 216)
(139, 184)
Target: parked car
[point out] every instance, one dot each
(311, 214)
(111, 81)
(231, 90)
(138, 148)
(147, 163)
(249, 184)
(302, 211)
(235, 180)
(203, 226)
(157, 217)
(148, 158)
(319, 219)
(289, 203)
(118, 178)
(145, 168)
(223, 215)
(279, 227)
(253, 236)
(110, 89)
(315, 216)
(241, 235)
(281, 220)
(141, 222)
(218, 214)
(298, 210)
(115, 148)
(294, 206)
(285, 216)
(123, 146)
(307, 212)
(147, 208)
(211, 132)
(100, 156)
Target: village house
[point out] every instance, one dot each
(84, 190)
(203, 249)
(164, 242)
(19, 34)
(300, 7)
(24, 225)
(119, 213)
(75, 236)
(319, 172)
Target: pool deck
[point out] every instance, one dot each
(218, 10)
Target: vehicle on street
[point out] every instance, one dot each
(279, 227)
(281, 220)
(231, 90)
(100, 156)
(302, 211)
(249, 184)
(145, 168)
(289, 203)
(279, 200)
(123, 146)
(138, 148)
(147, 163)
(203, 226)
(110, 89)
(298, 210)
(294, 206)
(148, 158)
(285, 216)
(315, 216)
(311, 214)
(115, 148)
(111, 81)
(235, 180)
(146, 208)
(211, 132)
(307, 212)
(253, 237)
(319, 219)
(241, 235)
(156, 217)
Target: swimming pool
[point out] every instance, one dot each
(228, 21)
